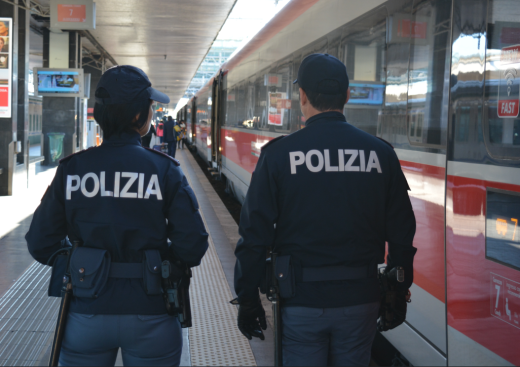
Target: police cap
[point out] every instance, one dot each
(127, 84)
(322, 73)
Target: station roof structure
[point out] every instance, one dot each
(167, 39)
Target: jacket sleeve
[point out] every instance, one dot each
(400, 224)
(257, 230)
(49, 224)
(185, 227)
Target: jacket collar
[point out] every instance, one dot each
(132, 138)
(331, 115)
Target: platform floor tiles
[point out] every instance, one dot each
(28, 315)
(27, 319)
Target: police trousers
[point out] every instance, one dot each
(329, 336)
(145, 340)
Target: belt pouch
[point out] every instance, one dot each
(89, 268)
(152, 272)
(59, 267)
(285, 276)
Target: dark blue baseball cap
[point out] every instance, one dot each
(322, 73)
(127, 84)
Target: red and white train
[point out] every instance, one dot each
(439, 80)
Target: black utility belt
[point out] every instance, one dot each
(90, 269)
(288, 275)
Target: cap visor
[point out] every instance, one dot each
(158, 96)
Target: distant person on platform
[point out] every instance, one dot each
(180, 136)
(170, 136)
(145, 140)
(160, 131)
(185, 135)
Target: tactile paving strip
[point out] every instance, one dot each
(214, 337)
(27, 319)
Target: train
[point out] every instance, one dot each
(437, 79)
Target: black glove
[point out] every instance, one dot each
(251, 318)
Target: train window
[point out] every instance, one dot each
(462, 124)
(282, 98)
(502, 232)
(240, 98)
(392, 121)
(231, 119)
(502, 92)
(428, 84)
(364, 47)
(296, 114)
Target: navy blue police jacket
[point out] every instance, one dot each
(169, 131)
(126, 199)
(327, 195)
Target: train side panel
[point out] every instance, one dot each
(419, 71)
(483, 250)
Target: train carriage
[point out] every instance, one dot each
(439, 80)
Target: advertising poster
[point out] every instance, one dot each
(275, 110)
(6, 46)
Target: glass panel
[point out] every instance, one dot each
(364, 48)
(428, 83)
(462, 125)
(502, 232)
(297, 120)
(392, 121)
(502, 93)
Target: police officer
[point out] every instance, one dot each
(170, 136)
(326, 199)
(123, 202)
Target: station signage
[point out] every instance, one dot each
(6, 68)
(273, 80)
(403, 27)
(509, 86)
(73, 14)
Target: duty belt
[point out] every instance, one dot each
(126, 270)
(329, 273)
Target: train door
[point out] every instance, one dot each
(483, 186)
(193, 116)
(216, 147)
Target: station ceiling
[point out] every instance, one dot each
(168, 39)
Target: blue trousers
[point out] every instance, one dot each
(172, 147)
(329, 336)
(145, 340)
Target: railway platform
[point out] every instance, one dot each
(28, 316)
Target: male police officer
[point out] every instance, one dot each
(326, 198)
(123, 202)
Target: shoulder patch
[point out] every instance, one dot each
(272, 141)
(384, 141)
(73, 154)
(175, 161)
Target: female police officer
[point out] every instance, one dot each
(123, 202)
